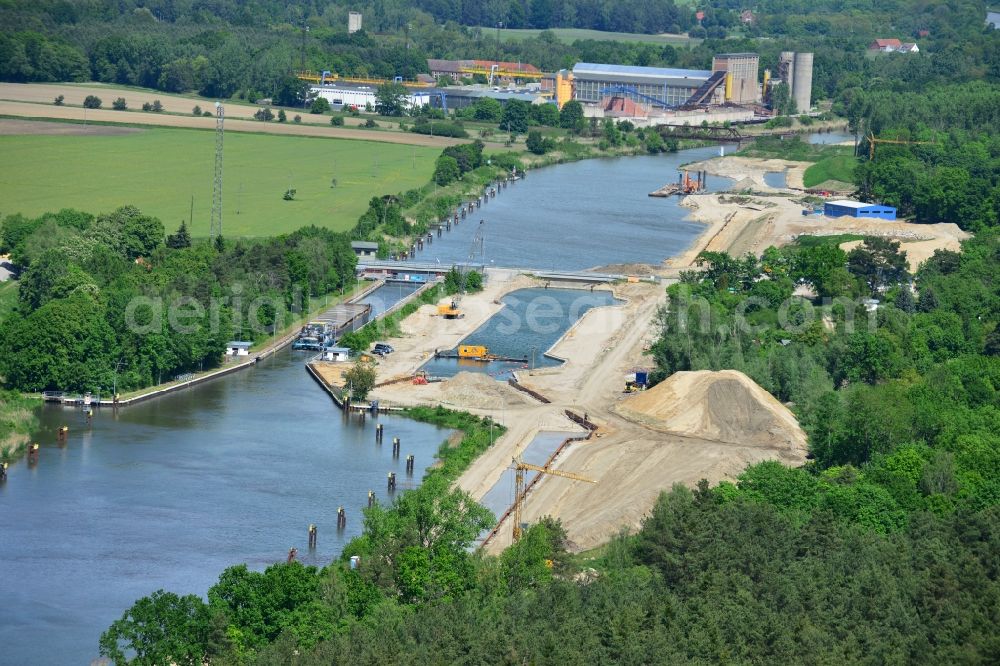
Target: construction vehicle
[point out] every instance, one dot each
(636, 381)
(450, 310)
(520, 467)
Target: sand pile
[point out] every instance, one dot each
(477, 390)
(725, 406)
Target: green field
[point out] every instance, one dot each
(8, 297)
(571, 34)
(838, 167)
(159, 170)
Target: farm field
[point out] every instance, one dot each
(571, 34)
(159, 170)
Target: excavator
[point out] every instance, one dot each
(451, 310)
(520, 467)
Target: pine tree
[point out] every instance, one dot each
(181, 239)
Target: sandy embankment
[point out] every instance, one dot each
(738, 225)
(748, 172)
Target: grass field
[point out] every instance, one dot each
(8, 297)
(572, 34)
(159, 170)
(837, 167)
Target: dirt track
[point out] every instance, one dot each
(35, 101)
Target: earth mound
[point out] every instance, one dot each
(475, 389)
(725, 406)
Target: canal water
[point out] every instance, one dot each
(386, 296)
(581, 215)
(170, 492)
(531, 321)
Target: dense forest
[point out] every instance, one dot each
(112, 301)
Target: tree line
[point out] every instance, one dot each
(246, 51)
(112, 301)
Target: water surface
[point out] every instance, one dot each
(531, 321)
(170, 492)
(581, 215)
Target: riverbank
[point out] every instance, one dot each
(17, 422)
(233, 364)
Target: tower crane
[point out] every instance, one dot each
(872, 140)
(520, 467)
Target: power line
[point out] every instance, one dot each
(216, 225)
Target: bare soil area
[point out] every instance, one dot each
(725, 406)
(15, 127)
(233, 123)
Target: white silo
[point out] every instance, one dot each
(802, 80)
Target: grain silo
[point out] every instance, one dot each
(802, 80)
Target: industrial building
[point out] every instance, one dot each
(343, 95)
(796, 71)
(741, 85)
(848, 208)
(656, 86)
(458, 97)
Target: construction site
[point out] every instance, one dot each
(585, 440)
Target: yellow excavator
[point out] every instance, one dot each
(450, 310)
(520, 467)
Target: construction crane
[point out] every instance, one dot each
(872, 140)
(520, 467)
(498, 72)
(326, 76)
(452, 310)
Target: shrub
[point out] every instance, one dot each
(157, 106)
(319, 105)
(337, 121)
(119, 104)
(196, 111)
(264, 114)
(297, 119)
(59, 100)
(281, 116)
(92, 102)
(370, 123)
(441, 128)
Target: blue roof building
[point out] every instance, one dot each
(667, 86)
(858, 209)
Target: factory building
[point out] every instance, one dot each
(648, 85)
(459, 97)
(741, 69)
(342, 96)
(848, 208)
(796, 70)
